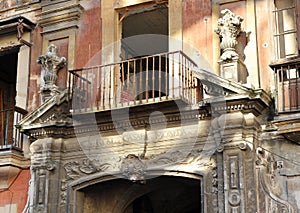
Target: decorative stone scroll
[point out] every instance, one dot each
(268, 177)
(51, 64)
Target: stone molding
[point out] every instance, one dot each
(59, 16)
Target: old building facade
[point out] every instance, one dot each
(149, 106)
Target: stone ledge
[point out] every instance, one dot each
(11, 163)
(14, 158)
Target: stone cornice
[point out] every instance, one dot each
(288, 125)
(13, 158)
(28, 121)
(63, 15)
(210, 78)
(103, 122)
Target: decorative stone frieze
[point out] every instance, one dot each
(51, 64)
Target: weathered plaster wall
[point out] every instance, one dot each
(197, 27)
(15, 196)
(35, 71)
(89, 38)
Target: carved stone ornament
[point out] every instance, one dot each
(133, 168)
(51, 64)
(229, 27)
(47, 165)
(77, 169)
(268, 177)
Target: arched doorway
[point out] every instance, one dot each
(165, 194)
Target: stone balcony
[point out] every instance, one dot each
(287, 98)
(138, 81)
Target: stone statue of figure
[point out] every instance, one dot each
(51, 64)
(229, 27)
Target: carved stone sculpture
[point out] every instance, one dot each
(51, 64)
(133, 168)
(231, 60)
(229, 27)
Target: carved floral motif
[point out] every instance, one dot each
(229, 27)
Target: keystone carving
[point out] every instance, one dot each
(51, 64)
(133, 168)
(229, 27)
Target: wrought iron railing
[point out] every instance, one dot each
(143, 80)
(10, 136)
(287, 81)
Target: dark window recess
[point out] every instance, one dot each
(9, 114)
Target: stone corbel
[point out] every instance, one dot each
(20, 30)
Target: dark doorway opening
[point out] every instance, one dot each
(158, 195)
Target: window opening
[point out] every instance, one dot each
(144, 72)
(8, 78)
(286, 28)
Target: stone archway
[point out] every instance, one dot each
(158, 195)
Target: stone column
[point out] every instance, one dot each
(43, 193)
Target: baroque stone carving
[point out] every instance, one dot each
(133, 168)
(51, 64)
(267, 176)
(76, 169)
(229, 27)
(47, 165)
(234, 198)
(214, 188)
